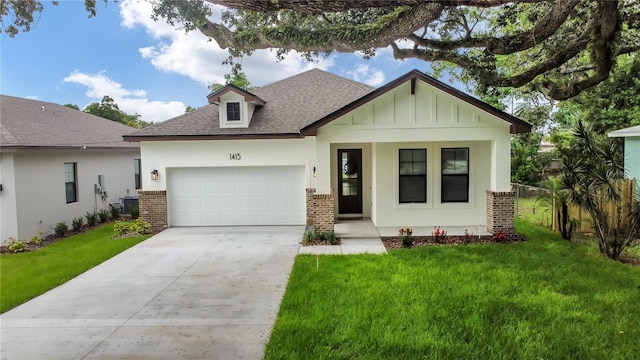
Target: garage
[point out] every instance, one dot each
(256, 195)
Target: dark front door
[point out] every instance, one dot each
(350, 181)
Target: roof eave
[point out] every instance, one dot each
(139, 138)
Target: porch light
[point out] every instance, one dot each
(154, 175)
(314, 171)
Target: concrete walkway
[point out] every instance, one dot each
(356, 237)
(186, 293)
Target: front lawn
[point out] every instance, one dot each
(542, 299)
(27, 275)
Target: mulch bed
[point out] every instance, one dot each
(318, 242)
(395, 242)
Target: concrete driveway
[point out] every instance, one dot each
(186, 293)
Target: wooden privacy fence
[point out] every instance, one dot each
(584, 224)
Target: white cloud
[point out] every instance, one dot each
(129, 101)
(193, 55)
(366, 74)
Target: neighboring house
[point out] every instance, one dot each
(58, 163)
(631, 137)
(315, 147)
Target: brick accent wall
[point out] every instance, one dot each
(500, 212)
(320, 213)
(153, 209)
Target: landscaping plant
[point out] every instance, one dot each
(405, 235)
(76, 223)
(593, 167)
(115, 212)
(91, 218)
(61, 228)
(103, 215)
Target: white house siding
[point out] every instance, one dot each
(430, 119)
(40, 185)
(8, 215)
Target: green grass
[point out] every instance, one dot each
(27, 275)
(542, 299)
(534, 211)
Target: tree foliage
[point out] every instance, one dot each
(558, 47)
(108, 109)
(613, 104)
(237, 78)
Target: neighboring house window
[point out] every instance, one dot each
(233, 111)
(455, 175)
(136, 173)
(413, 175)
(71, 182)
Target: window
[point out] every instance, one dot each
(233, 111)
(70, 182)
(413, 176)
(455, 175)
(136, 173)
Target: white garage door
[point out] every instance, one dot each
(266, 195)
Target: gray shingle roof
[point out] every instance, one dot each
(33, 123)
(291, 104)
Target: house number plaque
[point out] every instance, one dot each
(235, 156)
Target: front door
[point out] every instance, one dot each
(350, 181)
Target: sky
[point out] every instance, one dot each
(149, 68)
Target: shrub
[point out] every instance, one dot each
(405, 235)
(115, 212)
(103, 215)
(138, 226)
(121, 227)
(37, 238)
(76, 223)
(91, 218)
(61, 228)
(16, 245)
(331, 237)
(309, 236)
(135, 213)
(141, 227)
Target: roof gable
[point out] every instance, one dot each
(517, 125)
(214, 97)
(33, 123)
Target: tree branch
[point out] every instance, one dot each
(544, 28)
(345, 38)
(320, 6)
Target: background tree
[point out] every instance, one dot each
(108, 109)
(72, 106)
(237, 78)
(558, 47)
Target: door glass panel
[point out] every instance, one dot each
(349, 166)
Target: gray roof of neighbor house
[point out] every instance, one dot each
(626, 132)
(26, 123)
(297, 106)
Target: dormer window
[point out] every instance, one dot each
(236, 106)
(233, 111)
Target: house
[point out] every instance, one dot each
(316, 147)
(58, 163)
(631, 137)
